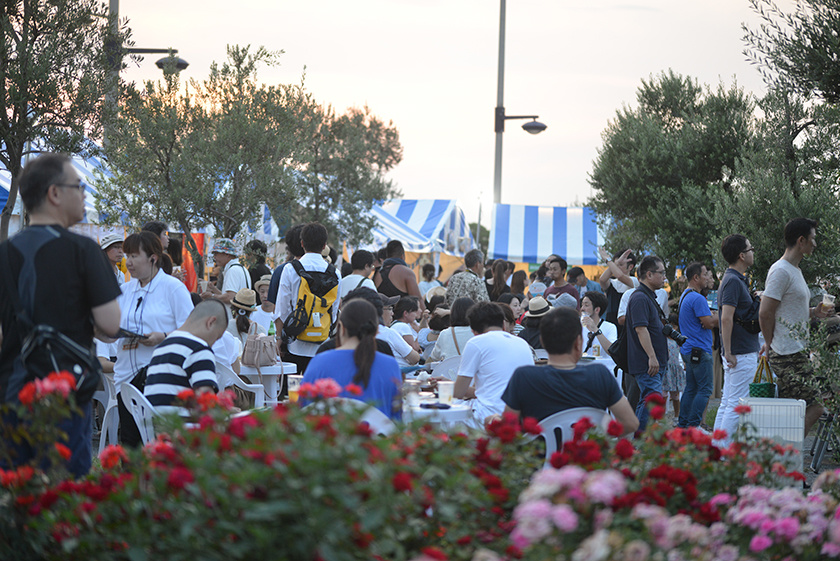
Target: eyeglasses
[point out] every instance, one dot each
(748, 250)
(662, 272)
(80, 185)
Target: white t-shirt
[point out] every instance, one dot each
(227, 352)
(351, 282)
(445, 346)
(661, 299)
(786, 284)
(162, 305)
(262, 318)
(236, 277)
(609, 330)
(398, 345)
(621, 288)
(404, 329)
(491, 358)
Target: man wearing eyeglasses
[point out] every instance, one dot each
(739, 340)
(647, 347)
(62, 280)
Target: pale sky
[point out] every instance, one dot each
(430, 66)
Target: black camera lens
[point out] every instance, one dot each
(672, 333)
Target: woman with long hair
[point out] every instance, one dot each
(241, 307)
(153, 305)
(497, 284)
(518, 282)
(515, 303)
(452, 339)
(356, 361)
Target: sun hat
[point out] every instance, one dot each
(388, 300)
(565, 300)
(536, 289)
(265, 279)
(245, 299)
(537, 307)
(436, 291)
(225, 245)
(110, 240)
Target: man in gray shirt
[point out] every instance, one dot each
(784, 311)
(740, 347)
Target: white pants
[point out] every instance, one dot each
(736, 384)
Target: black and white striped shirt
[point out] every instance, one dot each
(182, 361)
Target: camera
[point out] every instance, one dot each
(672, 333)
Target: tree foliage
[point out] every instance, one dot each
(798, 51)
(52, 74)
(214, 152)
(660, 160)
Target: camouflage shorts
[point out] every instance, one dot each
(795, 376)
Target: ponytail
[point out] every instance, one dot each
(360, 320)
(243, 324)
(499, 284)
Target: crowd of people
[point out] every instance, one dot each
(520, 337)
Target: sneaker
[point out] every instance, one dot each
(706, 428)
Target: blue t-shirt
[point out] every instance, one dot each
(643, 311)
(540, 391)
(694, 306)
(383, 389)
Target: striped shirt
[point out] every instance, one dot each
(182, 361)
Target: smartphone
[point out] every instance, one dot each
(435, 406)
(125, 333)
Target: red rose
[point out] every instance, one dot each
(63, 451)
(657, 412)
(719, 434)
(655, 399)
(615, 428)
(179, 477)
(580, 427)
(402, 482)
(353, 389)
(742, 409)
(531, 426)
(624, 449)
(434, 553)
(27, 394)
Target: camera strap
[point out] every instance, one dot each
(652, 295)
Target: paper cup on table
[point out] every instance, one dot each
(828, 300)
(446, 391)
(294, 387)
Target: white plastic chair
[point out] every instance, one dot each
(377, 420)
(111, 417)
(448, 368)
(141, 410)
(557, 428)
(225, 373)
(541, 354)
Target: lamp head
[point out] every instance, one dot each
(534, 127)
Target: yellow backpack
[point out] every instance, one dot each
(312, 317)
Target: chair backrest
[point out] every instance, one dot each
(225, 373)
(377, 420)
(557, 428)
(448, 368)
(141, 411)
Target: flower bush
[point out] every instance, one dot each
(286, 483)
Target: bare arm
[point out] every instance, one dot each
(767, 319)
(413, 357)
(647, 346)
(412, 342)
(463, 390)
(709, 322)
(624, 414)
(727, 320)
(106, 317)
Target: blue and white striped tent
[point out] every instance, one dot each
(87, 169)
(529, 234)
(440, 221)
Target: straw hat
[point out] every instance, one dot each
(436, 291)
(245, 299)
(537, 307)
(264, 280)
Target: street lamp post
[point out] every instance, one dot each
(115, 53)
(533, 127)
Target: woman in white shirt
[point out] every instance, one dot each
(597, 332)
(241, 307)
(152, 305)
(452, 339)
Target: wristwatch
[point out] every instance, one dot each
(599, 332)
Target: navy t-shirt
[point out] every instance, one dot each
(693, 306)
(540, 391)
(643, 311)
(733, 291)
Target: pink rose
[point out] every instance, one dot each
(760, 543)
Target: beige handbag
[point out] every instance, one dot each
(259, 350)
